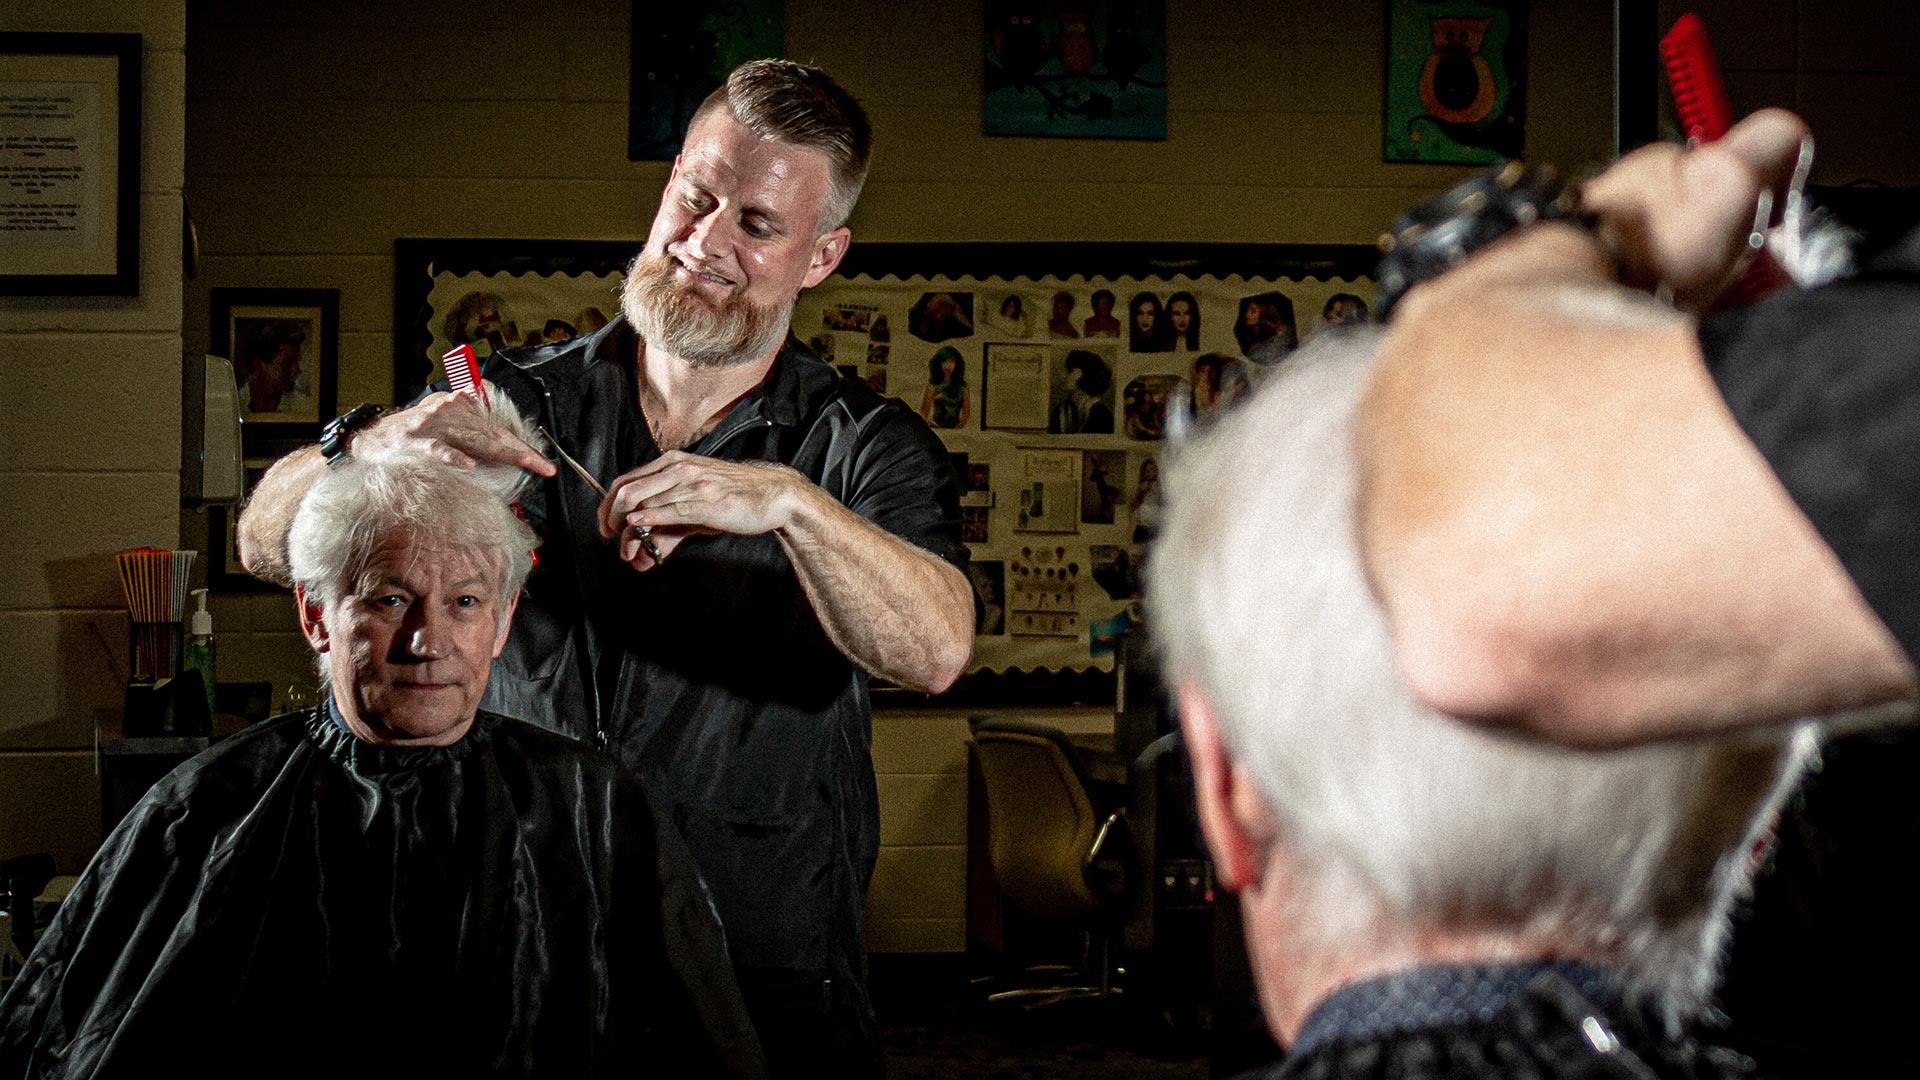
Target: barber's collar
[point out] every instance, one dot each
(786, 395)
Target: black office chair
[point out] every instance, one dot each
(1060, 857)
(22, 878)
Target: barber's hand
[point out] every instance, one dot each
(452, 428)
(678, 495)
(1680, 217)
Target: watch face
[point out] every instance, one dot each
(334, 437)
(1440, 233)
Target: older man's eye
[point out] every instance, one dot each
(468, 601)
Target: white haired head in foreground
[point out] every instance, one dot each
(406, 572)
(1367, 833)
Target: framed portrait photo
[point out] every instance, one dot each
(70, 156)
(285, 345)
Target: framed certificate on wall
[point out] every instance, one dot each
(69, 164)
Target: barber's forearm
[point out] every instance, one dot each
(264, 522)
(898, 611)
(1453, 393)
(1570, 534)
(1497, 460)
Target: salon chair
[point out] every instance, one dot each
(22, 878)
(1062, 858)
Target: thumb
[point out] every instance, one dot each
(1768, 143)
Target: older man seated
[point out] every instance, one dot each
(1424, 899)
(395, 882)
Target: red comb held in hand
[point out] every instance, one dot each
(1699, 94)
(1700, 100)
(463, 373)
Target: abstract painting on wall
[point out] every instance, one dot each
(680, 54)
(1092, 69)
(1456, 81)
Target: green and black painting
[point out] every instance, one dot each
(1456, 81)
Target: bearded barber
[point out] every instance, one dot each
(772, 535)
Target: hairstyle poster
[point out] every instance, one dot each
(1456, 88)
(1051, 396)
(1092, 70)
(1050, 393)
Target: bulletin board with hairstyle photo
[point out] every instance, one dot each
(1047, 370)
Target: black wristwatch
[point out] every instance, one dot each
(340, 430)
(1440, 233)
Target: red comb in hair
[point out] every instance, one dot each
(463, 372)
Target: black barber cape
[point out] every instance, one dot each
(297, 902)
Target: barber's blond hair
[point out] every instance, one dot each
(798, 105)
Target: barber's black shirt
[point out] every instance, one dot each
(1826, 383)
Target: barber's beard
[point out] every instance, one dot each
(676, 317)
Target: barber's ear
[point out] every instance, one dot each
(827, 253)
(312, 619)
(1238, 827)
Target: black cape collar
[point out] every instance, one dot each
(1447, 995)
(330, 734)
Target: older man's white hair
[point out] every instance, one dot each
(1396, 820)
(354, 505)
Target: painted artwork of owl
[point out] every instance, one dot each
(1075, 44)
(1456, 85)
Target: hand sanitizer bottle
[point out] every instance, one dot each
(200, 646)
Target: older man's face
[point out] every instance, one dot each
(409, 646)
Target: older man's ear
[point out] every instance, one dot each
(312, 621)
(1236, 821)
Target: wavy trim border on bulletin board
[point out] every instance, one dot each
(417, 260)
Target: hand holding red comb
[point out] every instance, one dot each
(1700, 100)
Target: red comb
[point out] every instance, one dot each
(463, 372)
(1700, 99)
(1699, 94)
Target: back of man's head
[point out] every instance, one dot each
(791, 103)
(1398, 823)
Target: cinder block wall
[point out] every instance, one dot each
(89, 465)
(315, 134)
(320, 133)
(1851, 68)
